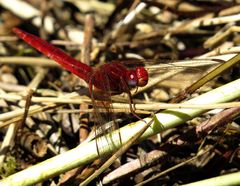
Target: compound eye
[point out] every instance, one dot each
(142, 76)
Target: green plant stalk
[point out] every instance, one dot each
(87, 152)
(228, 179)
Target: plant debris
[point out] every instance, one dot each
(46, 111)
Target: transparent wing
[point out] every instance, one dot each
(170, 64)
(103, 111)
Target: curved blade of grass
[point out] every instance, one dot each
(118, 153)
(228, 179)
(214, 73)
(108, 144)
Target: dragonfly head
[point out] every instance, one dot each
(137, 77)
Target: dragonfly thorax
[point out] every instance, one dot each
(116, 77)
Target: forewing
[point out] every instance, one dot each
(170, 64)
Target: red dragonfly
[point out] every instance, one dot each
(114, 77)
(111, 78)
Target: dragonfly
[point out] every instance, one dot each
(115, 75)
(110, 78)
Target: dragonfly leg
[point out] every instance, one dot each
(131, 104)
